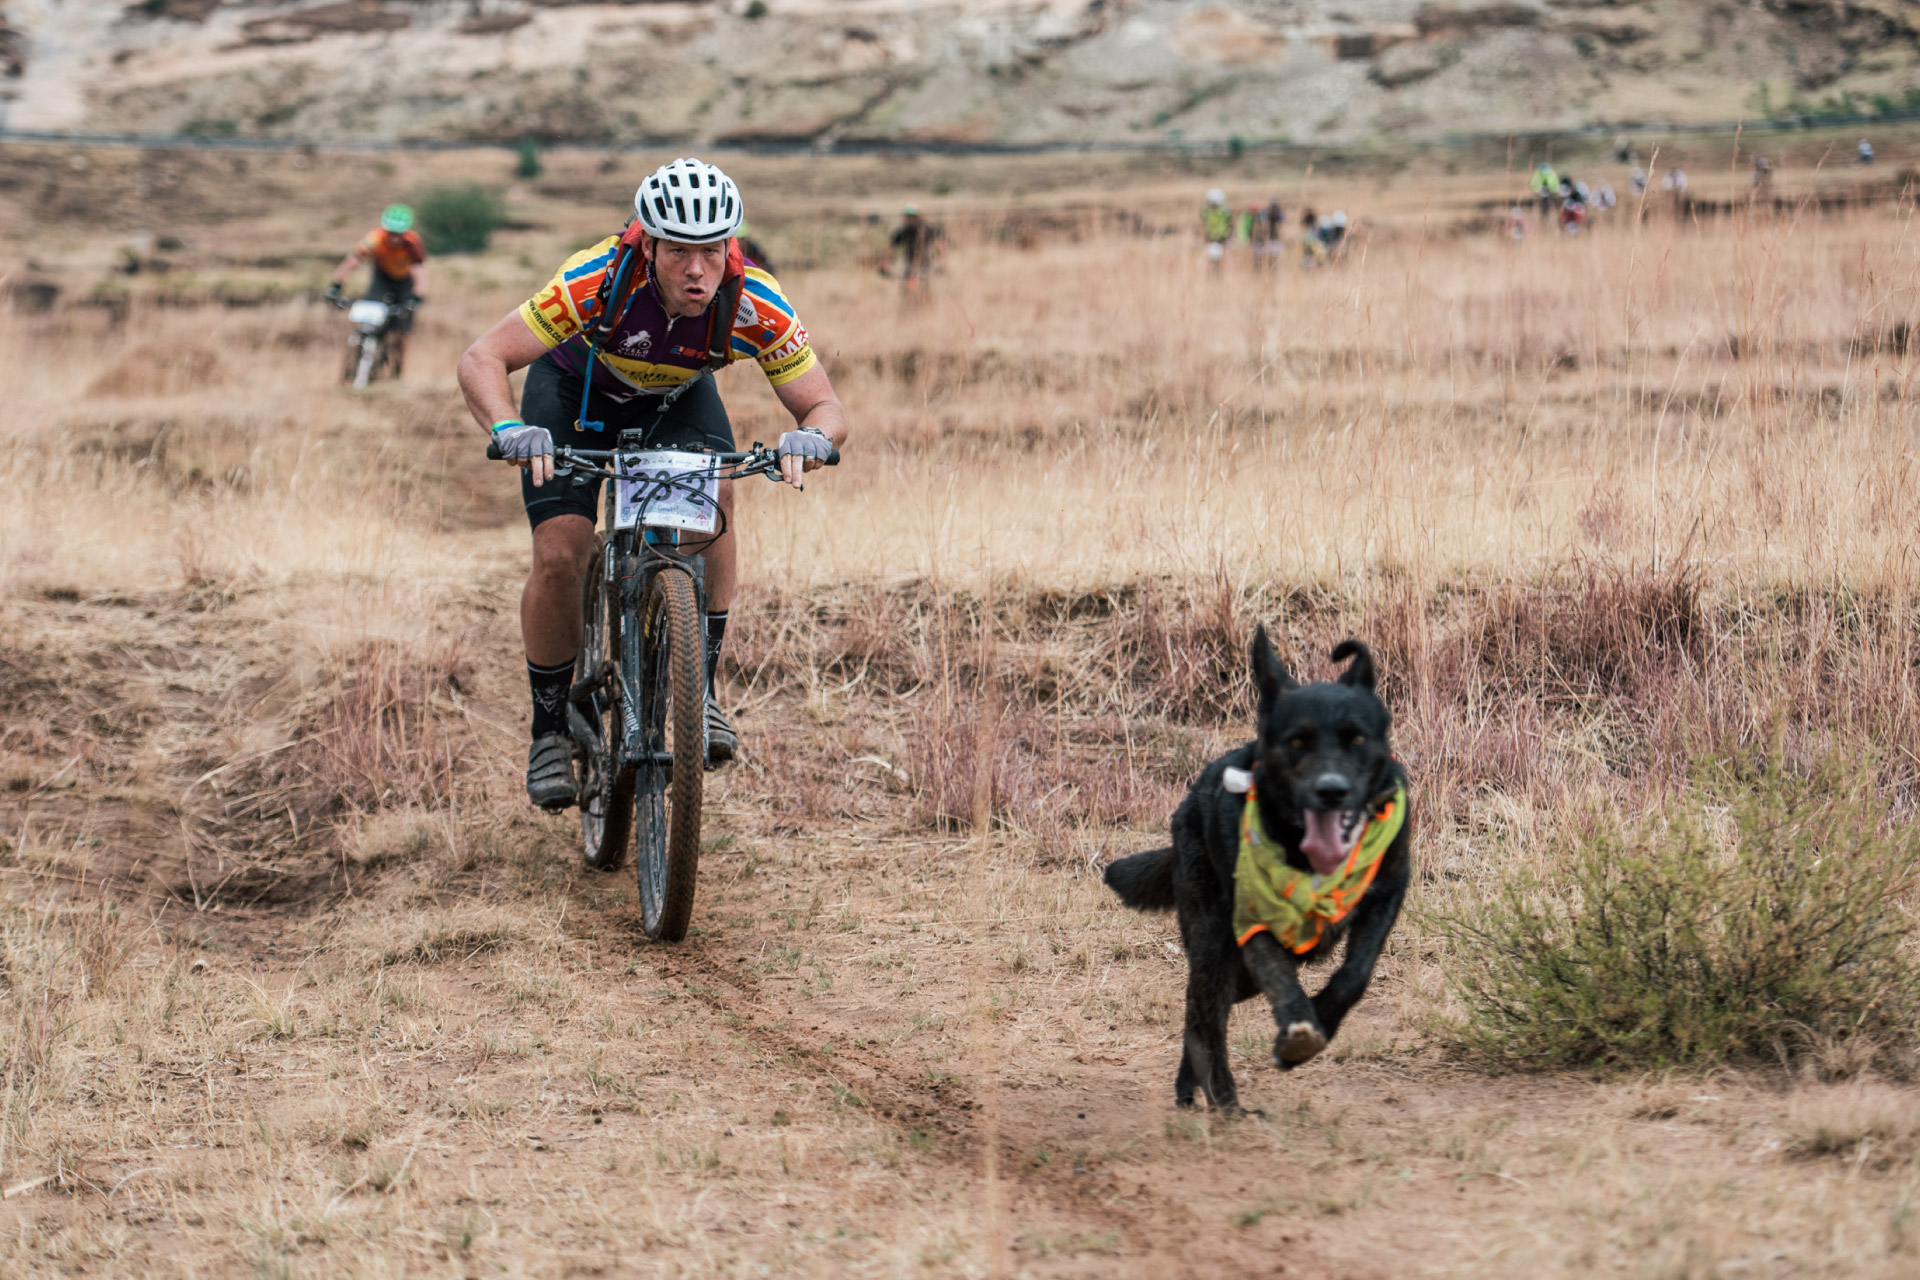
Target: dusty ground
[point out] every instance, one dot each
(297, 985)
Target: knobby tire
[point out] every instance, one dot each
(606, 785)
(667, 808)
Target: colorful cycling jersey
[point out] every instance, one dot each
(394, 255)
(644, 355)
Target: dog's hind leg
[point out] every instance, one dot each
(1203, 1064)
(1301, 1036)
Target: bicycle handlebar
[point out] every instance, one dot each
(562, 454)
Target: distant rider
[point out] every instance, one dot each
(653, 374)
(399, 278)
(913, 241)
(1216, 224)
(1267, 220)
(1545, 185)
(1333, 233)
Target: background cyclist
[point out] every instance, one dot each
(652, 373)
(1216, 225)
(399, 278)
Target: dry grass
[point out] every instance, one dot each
(296, 985)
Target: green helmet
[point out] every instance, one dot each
(398, 218)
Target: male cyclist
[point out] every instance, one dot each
(651, 372)
(399, 276)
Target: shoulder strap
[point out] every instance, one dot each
(617, 285)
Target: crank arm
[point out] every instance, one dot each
(583, 730)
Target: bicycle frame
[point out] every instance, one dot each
(633, 558)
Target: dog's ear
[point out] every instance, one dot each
(1270, 675)
(1360, 674)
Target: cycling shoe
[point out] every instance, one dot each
(550, 782)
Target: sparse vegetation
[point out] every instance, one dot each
(459, 218)
(526, 163)
(1759, 919)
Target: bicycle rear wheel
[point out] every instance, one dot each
(606, 785)
(672, 773)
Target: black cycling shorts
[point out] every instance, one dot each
(551, 399)
(395, 293)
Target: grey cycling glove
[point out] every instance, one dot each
(519, 441)
(807, 442)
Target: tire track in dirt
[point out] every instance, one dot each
(1156, 1225)
(880, 1086)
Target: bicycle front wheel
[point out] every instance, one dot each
(606, 784)
(672, 772)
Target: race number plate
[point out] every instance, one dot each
(691, 501)
(367, 311)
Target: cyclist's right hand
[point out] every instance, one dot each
(530, 446)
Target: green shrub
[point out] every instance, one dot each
(458, 219)
(1761, 931)
(527, 165)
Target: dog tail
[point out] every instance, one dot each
(1144, 881)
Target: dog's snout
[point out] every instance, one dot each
(1331, 788)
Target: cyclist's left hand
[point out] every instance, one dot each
(800, 451)
(530, 446)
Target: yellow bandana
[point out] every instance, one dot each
(1295, 905)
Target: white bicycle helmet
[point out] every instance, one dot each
(688, 201)
(1216, 197)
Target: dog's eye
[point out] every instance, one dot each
(1357, 740)
(1299, 742)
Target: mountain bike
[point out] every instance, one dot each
(637, 708)
(370, 349)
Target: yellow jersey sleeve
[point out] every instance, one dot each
(766, 329)
(554, 314)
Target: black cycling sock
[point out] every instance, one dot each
(716, 632)
(550, 685)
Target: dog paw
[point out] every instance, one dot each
(1299, 1043)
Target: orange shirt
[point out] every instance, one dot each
(393, 255)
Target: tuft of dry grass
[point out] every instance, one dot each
(1864, 1123)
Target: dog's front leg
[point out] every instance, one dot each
(1300, 1036)
(1373, 920)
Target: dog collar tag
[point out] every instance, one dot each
(1238, 781)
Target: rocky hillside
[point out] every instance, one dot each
(1011, 71)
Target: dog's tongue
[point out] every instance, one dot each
(1323, 845)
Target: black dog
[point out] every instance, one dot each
(1324, 784)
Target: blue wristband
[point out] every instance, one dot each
(507, 422)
